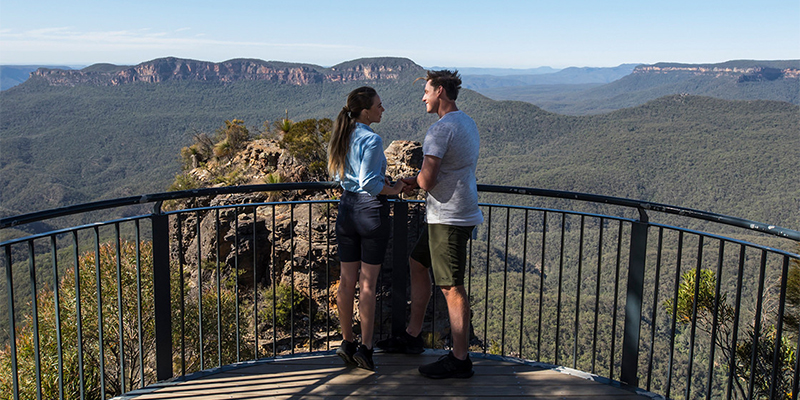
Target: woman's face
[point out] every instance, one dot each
(374, 113)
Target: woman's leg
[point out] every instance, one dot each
(368, 282)
(345, 296)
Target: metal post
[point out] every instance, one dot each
(399, 266)
(161, 294)
(633, 303)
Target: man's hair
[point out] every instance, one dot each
(449, 80)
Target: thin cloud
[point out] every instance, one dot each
(47, 38)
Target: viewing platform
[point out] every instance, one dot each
(324, 376)
(231, 295)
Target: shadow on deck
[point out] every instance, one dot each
(323, 375)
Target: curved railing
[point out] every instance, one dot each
(606, 294)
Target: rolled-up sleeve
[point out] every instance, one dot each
(371, 170)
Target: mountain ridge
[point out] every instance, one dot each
(172, 68)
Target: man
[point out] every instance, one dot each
(448, 175)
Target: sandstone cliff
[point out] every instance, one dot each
(176, 69)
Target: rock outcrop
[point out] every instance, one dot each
(274, 243)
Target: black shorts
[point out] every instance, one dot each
(362, 227)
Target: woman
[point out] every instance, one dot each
(356, 161)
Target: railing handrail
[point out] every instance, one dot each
(639, 205)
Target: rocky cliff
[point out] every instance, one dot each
(744, 73)
(176, 69)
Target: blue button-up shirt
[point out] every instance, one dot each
(365, 167)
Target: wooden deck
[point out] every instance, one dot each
(323, 376)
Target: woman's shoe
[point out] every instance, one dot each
(346, 351)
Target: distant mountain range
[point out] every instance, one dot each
(106, 131)
(733, 80)
(13, 75)
(567, 76)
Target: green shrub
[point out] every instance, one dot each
(286, 299)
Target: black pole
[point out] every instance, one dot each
(161, 295)
(633, 303)
(399, 266)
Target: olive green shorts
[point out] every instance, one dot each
(443, 248)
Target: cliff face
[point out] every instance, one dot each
(175, 69)
(744, 74)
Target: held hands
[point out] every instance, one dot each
(393, 190)
(410, 184)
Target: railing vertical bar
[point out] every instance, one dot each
(219, 287)
(757, 329)
(693, 329)
(736, 315)
(522, 289)
(328, 275)
(78, 317)
(57, 304)
(486, 294)
(310, 291)
(162, 292)
(654, 316)
(541, 289)
(12, 325)
(717, 296)
(200, 330)
(674, 312)
(505, 287)
(255, 283)
(236, 281)
(120, 320)
(291, 277)
(779, 328)
(614, 310)
(273, 272)
(140, 329)
(400, 270)
(597, 291)
(629, 371)
(98, 287)
(35, 319)
(182, 283)
(578, 294)
(560, 287)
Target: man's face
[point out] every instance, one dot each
(431, 97)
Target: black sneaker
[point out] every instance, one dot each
(448, 366)
(403, 343)
(363, 358)
(346, 351)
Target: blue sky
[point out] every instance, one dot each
(466, 33)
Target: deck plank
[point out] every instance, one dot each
(396, 377)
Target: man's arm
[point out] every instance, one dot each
(428, 174)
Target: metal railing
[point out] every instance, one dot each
(101, 309)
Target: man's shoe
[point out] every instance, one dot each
(346, 351)
(403, 343)
(363, 358)
(448, 366)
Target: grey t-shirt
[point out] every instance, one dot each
(454, 200)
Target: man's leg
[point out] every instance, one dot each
(458, 310)
(420, 295)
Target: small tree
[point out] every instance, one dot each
(307, 141)
(743, 350)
